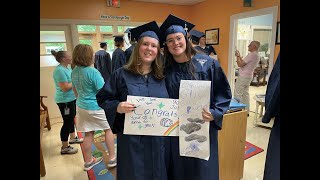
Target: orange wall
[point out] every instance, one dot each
(92, 9)
(205, 15)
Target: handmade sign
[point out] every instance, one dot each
(193, 130)
(152, 116)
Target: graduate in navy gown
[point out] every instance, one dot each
(272, 104)
(182, 63)
(139, 157)
(129, 50)
(102, 61)
(207, 49)
(118, 55)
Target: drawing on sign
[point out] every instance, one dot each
(194, 96)
(152, 116)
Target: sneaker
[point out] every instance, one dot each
(76, 140)
(94, 162)
(69, 150)
(112, 163)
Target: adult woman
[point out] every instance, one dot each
(66, 101)
(87, 82)
(139, 157)
(182, 63)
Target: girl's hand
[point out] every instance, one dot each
(125, 107)
(206, 115)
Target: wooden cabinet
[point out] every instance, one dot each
(231, 139)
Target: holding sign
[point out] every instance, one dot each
(152, 116)
(193, 130)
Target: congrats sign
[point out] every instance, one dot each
(152, 116)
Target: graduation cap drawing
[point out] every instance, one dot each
(174, 24)
(150, 29)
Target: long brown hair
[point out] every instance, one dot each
(134, 65)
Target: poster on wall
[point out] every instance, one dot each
(113, 3)
(152, 116)
(212, 36)
(193, 130)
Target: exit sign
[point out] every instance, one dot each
(247, 3)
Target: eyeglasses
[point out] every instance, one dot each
(171, 41)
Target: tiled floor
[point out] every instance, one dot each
(69, 167)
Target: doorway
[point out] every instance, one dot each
(257, 25)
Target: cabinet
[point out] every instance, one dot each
(231, 142)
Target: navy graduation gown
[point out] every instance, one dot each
(102, 62)
(118, 59)
(128, 52)
(207, 50)
(139, 157)
(272, 104)
(189, 168)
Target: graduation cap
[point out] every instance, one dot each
(150, 29)
(103, 43)
(196, 35)
(174, 24)
(118, 38)
(127, 30)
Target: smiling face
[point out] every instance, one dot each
(202, 41)
(176, 44)
(148, 50)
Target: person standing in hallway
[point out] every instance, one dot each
(140, 157)
(209, 50)
(102, 61)
(272, 104)
(66, 101)
(118, 55)
(246, 69)
(87, 82)
(194, 38)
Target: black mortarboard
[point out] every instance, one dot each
(127, 30)
(102, 43)
(174, 24)
(118, 38)
(196, 35)
(150, 29)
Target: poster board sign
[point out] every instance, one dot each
(193, 130)
(152, 116)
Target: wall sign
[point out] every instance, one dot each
(117, 18)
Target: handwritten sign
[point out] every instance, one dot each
(152, 116)
(194, 131)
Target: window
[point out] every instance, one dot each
(52, 40)
(86, 28)
(106, 29)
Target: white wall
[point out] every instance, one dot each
(47, 88)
